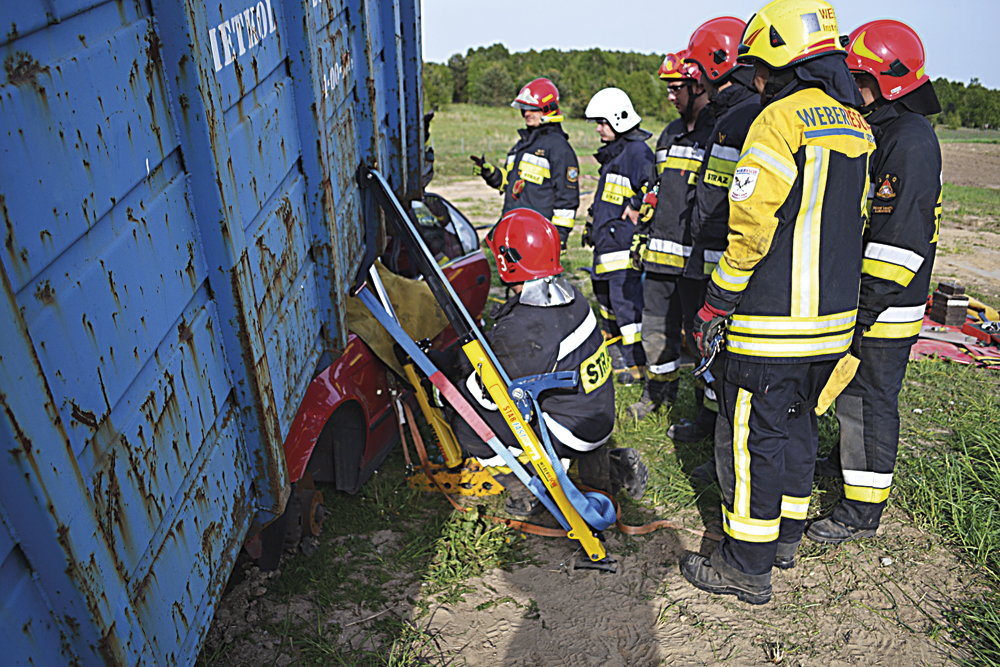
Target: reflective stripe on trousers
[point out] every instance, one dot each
(868, 412)
(620, 294)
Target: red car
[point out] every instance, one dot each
(345, 426)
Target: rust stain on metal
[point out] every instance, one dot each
(22, 69)
(85, 417)
(45, 293)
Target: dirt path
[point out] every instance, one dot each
(965, 252)
(875, 603)
(870, 604)
(972, 164)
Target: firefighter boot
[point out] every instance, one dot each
(594, 470)
(520, 500)
(718, 577)
(702, 427)
(630, 375)
(655, 394)
(831, 531)
(785, 558)
(628, 470)
(706, 472)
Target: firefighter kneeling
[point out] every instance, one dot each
(546, 326)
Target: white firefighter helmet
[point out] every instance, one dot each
(614, 106)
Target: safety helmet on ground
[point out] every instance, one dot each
(525, 246)
(540, 95)
(675, 69)
(892, 53)
(789, 32)
(614, 106)
(714, 46)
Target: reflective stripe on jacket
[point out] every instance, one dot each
(543, 174)
(679, 157)
(904, 208)
(792, 266)
(735, 109)
(625, 163)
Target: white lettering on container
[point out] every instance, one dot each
(258, 22)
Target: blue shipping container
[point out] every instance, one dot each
(180, 221)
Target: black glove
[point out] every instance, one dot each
(859, 333)
(635, 252)
(480, 167)
(586, 239)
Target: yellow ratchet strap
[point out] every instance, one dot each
(579, 530)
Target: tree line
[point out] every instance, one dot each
(492, 75)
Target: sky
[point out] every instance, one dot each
(960, 36)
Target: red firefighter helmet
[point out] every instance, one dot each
(675, 69)
(892, 53)
(540, 95)
(714, 46)
(525, 246)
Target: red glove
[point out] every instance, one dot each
(708, 323)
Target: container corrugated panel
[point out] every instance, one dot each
(180, 223)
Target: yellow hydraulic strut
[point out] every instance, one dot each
(494, 384)
(446, 438)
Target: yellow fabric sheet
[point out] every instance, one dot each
(415, 306)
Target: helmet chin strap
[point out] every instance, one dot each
(867, 109)
(690, 105)
(776, 82)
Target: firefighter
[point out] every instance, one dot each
(734, 104)
(887, 60)
(625, 162)
(548, 326)
(662, 242)
(785, 291)
(541, 172)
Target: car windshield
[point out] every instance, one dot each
(447, 233)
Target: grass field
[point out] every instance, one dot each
(967, 135)
(963, 203)
(460, 130)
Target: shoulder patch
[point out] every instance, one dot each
(886, 187)
(572, 173)
(744, 182)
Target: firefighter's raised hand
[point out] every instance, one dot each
(480, 167)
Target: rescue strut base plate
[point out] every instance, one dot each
(469, 479)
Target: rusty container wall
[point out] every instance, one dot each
(180, 224)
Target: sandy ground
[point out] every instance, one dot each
(972, 164)
(875, 603)
(864, 605)
(965, 252)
